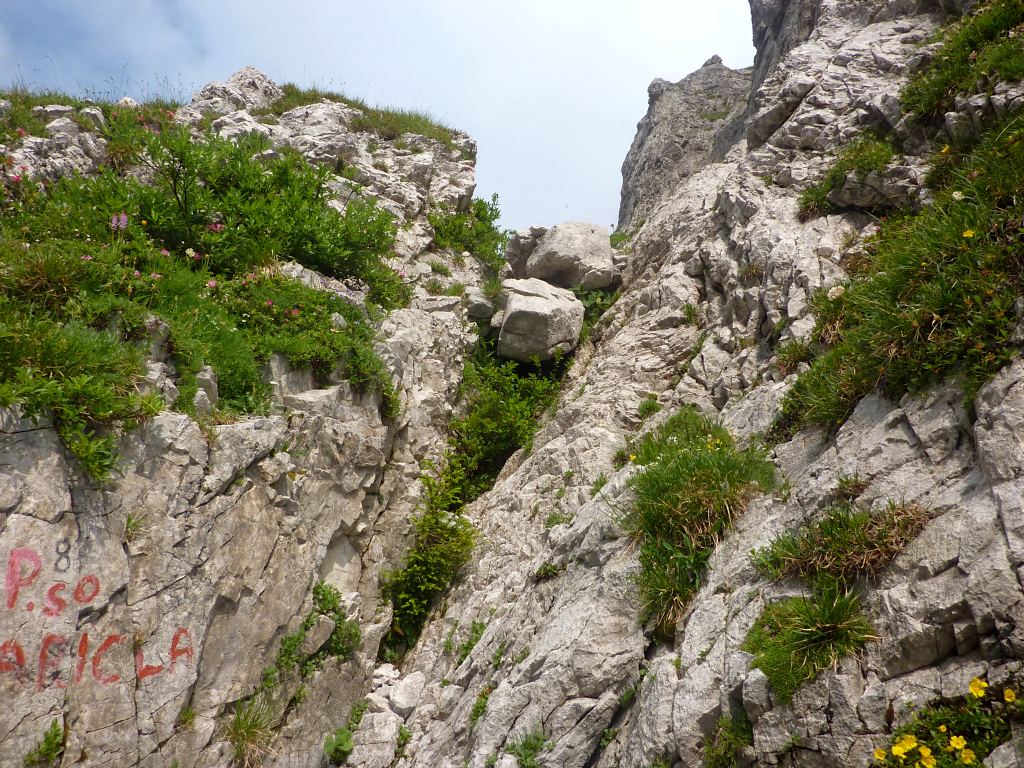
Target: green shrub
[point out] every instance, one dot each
(342, 643)
(601, 482)
(730, 737)
(693, 483)
(595, 304)
(619, 239)
(475, 230)
(977, 49)
(47, 752)
(938, 300)
(847, 543)
(102, 254)
(339, 745)
(547, 571)
(794, 639)
(861, 156)
(250, 731)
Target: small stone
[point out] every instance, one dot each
(406, 693)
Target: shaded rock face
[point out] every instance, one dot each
(687, 123)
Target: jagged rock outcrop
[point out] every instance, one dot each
(721, 270)
(687, 124)
(570, 255)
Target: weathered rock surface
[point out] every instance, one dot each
(687, 123)
(570, 255)
(538, 320)
(237, 529)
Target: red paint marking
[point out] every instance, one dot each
(14, 580)
(177, 652)
(143, 670)
(81, 597)
(47, 660)
(83, 653)
(54, 605)
(97, 660)
(30, 606)
(12, 659)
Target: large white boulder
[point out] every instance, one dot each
(569, 255)
(539, 320)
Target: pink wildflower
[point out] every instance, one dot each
(269, 303)
(87, 257)
(215, 227)
(211, 283)
(137, 273)
(295, 312)
(164, 252)
(16, 178)
(21, 133)
(155, 275)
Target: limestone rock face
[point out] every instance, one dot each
(539, 320)
(567, 255)
(678, 135)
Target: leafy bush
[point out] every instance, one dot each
(85, 262)
(861, 156)
(339, 745)
(249, 731)
(480, 704)
(794, 639)
(957, 732)
(977, 51)
(595, 304)
(648, 407)
(848, 542)
(342, 643)
(730, 737)
(938, 300)
(475, 230)
(48, 751)
(693, 483)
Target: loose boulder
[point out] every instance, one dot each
(538, 320)
(568, 255)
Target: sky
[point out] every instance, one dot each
(550, 89)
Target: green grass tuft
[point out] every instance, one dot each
(730, 737)
(861, 156)
(694, 482)
(793, 640)
(847, 543)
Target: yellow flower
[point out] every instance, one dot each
(898, 750)
(942, 729)
(968, 233)
(925, 752)
(967, 756)
(928, 761)
(978, 687)
(957, 742)
(880, 755)
(908, 742)
(1009, 696)
(944, 150)
(632, 457)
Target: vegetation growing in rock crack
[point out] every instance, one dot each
(476, 631)
(47, 752)
(502, 403)
(848, 542)
(249, 731)
(862, 156)
(342, 643)
(959, 731)
(86, 262)
(938, 297)
(794, 639)
(475, 230)
(694, 482)
(340, 744)
(526, 748)
(731, 735)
